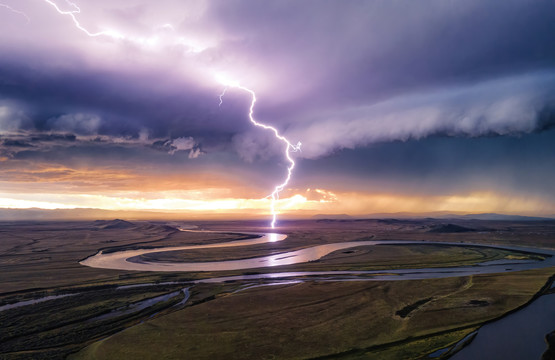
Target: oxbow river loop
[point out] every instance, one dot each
(130, 260)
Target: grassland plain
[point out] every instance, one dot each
(396, 320)
(318, 319)
(35, 256)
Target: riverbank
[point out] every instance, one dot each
(518, 334)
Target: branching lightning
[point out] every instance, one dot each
(77, 10)
(192, 47)
(16, 11)
(289, 147)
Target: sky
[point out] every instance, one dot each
(400, 106)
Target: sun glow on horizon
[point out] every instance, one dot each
(303, 203)
(134, 202)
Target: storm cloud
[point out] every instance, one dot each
(425, 68)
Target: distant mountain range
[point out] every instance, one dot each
(434, 215)
(35, 214)
(494, 216)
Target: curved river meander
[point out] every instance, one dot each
(482, 348)
(130, 260)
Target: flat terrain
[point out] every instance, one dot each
(312, 318)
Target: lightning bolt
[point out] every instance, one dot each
(16, 11)
(289, 147)
(116, 35)
(222, 97)
(77, 10)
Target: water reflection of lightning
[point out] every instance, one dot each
(227, 83)
(288, 146)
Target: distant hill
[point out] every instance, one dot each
(451, 228)
(333, 217)
(411, 215)
(114, 224)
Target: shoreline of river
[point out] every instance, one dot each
(544, 290)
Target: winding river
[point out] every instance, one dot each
(130, 260)
(490, 342)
